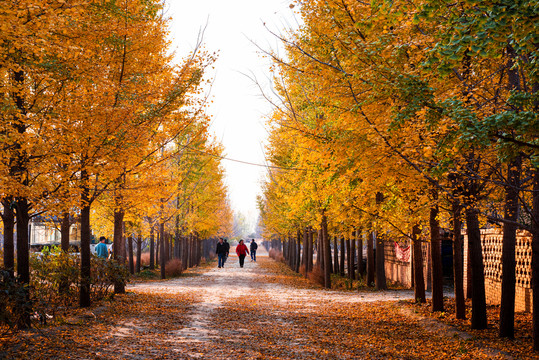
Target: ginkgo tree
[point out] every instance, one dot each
(403, 96)
(93, 110)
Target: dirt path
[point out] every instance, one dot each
(218, 288)
(244, 313)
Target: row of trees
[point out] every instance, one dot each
(399, 118)
(99, 123)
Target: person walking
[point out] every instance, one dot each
(101, 249)
(242, 251)
(253, 248)
(227, 245)
(221, 252)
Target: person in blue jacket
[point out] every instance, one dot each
(101, 249)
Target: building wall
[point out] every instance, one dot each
(491, 244)
(399, 271)
(46, 234)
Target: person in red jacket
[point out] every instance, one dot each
(242, 251)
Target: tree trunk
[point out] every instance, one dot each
(507, 304)
(64, 243)
(343, 256)
(353, 256)
(370, 259)
(85, 234)
(460, 305)
(139, 253)
(419, 278)
(298, 251)
(64, 232)
(436, 261)
(152, 247)
(535, 260)
(185, 249)
(350, 254)
(166, 251)
(293, 248)
(479, 306)
(163, 252)
(381, 283)
(130, 254)
(157, 246)
(360, 267)
(118, 244)
(327, 252)
(177, 245)
(23, 258)
(8, 220)
(23, 249)
(319, 250)
(469, 280)
(304, 260)
(310, 244)
(335, 266)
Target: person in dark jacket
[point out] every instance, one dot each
(253, 248)
(227, 250)
(221, 252)
(242, 251)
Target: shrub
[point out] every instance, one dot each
(144, 259)
(316, 275)
(104, 274)
(173, 268)
(13, 297)
(276, 255)
(55, 279)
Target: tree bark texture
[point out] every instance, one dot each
(64, 232)
(343, 256)
(327, 253)
(319, 250)
(118, 245)
(23, 257)
(162, 245)
(458, 260)
(507, 304)
(298, 251)
(152, 247)
(419, 279)
(130, 254)
(381, 283)
(479, 306)
(360, 267)
(335, 256)
(85, 266)
(352, 253)
(370, 259)
(139, 253)
(304, 260)
(436, 261)
(8, 220)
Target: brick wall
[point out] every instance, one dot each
(491, 244)
(399, 271)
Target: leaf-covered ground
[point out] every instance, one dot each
(255, 312)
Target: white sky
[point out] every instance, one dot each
(238, 109)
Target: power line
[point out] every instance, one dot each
(247, 162)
